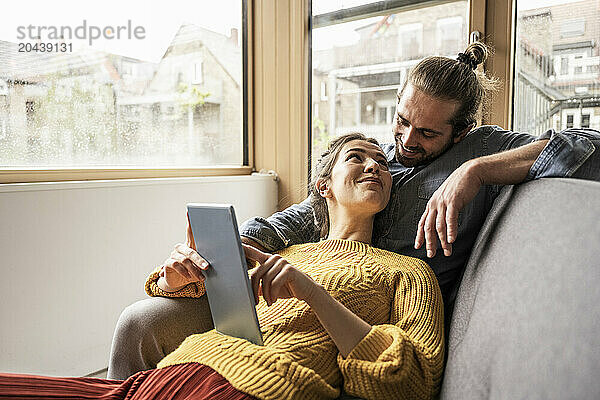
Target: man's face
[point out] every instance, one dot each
(421, 127)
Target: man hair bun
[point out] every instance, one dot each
(476, 53)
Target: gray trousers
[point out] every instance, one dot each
(150, 329)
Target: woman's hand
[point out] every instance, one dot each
(279, 279)
(183, 266)
(275, 278)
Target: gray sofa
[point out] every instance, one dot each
(526, 323)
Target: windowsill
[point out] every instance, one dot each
(34, 175)
(94, 184)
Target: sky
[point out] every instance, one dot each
(160, 20)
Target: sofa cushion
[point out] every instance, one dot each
(526, 323)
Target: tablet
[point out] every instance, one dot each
(227, 283)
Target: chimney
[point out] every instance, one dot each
(233, 36)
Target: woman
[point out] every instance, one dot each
(334, 313)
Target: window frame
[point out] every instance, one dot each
(10, 175)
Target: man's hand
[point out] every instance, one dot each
(441, 213)
(275, 278)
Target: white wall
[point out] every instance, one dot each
(73, 255)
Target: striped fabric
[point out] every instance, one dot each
(181, 382)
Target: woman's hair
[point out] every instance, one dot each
(456, 80)
(323, 171)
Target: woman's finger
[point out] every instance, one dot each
(255, 277)
(280, 285)
(192, 254)
(269, 275)
(254, 254)
(189, 235)
(193, 269)
(178, 268)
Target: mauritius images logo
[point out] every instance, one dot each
(84, 31)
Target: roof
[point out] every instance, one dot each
(227, 53)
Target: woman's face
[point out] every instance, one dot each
(360, 179)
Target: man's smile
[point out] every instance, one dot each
(406, 152)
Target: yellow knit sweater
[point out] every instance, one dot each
(401, 357)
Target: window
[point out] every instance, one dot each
(449, 33)
(569, 120)
(382, 113)
(572, 27)
(585, 120)
(564, 65)
(198, 75)
(323, 91)
(555, 64)
(411, 41)
(366, 52)
(168, 92)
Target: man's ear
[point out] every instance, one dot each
(461, 135)
(323, 188)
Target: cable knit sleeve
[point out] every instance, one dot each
(403, 359)
(195, 289)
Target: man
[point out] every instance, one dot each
(439, 166)
(446, 177)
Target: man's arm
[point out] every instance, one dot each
(441, 214)
(294, 225)
(555, 155)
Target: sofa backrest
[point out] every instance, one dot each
(526, 323)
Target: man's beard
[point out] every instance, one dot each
(423, 159)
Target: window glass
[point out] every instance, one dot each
(119, 83)
(449, 35)
(585, 120)
(364, 61)
(411, 41)
(557, 80)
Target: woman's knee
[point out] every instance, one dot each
(156, 316)
(145, 314)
